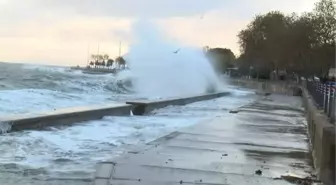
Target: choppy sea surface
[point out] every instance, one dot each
(26, 88)
(68, 154)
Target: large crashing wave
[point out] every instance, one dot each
(162, 67)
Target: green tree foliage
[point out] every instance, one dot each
(109, 62)
(221, 58)
(120, 60)
(325, 26)
(303, 44)
(262, 43)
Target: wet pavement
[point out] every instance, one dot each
(66, 155)
(259, 143)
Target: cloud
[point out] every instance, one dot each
(64, 42)
(215, 29)
(219, 28)
(172, 8)
(136, 8)
(58, 32)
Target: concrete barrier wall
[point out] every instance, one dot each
(143, 107)
(322, 140)
(80, 114)
(64, 117)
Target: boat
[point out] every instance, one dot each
(103, 64)
(99, 70)
(95, 70)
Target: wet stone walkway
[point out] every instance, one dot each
(264, 142)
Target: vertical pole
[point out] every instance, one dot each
(332, 113)
(97, 59)
(324, 96)
(329, 99)
(98, 50)
(88, 55)
(119, 48)
(325, 102)
(332, 101)
(332, 107)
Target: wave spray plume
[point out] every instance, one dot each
(161, 67)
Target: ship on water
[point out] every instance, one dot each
(103, 64)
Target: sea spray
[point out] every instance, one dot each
(5, 127)
(26, 88)
(161, 67)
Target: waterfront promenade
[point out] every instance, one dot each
(264, 142)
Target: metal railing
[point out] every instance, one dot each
(324, 97)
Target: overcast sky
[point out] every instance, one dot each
(60, 31)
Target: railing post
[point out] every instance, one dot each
(328, 94)
(328, 99)
(324, 91)
(331, 112)
(320, 96)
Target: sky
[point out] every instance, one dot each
(63, 32)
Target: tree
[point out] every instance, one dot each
(94, 57)
(106, 57)
(264, 40)
(302, 44)
(301, 38)
(93, 60)
(264, 43)
(325, 13)
(221, 58)
(109, 63)
(121, 61)
(100, 57)
(325, 28)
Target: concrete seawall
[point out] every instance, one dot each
(322, 140)
(63, 117)
(80, 114)
(143, 107)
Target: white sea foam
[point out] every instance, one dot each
(40, 100)
(74, 151)
(165, 68)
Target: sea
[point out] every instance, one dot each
(26, 88)
(69, 154)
